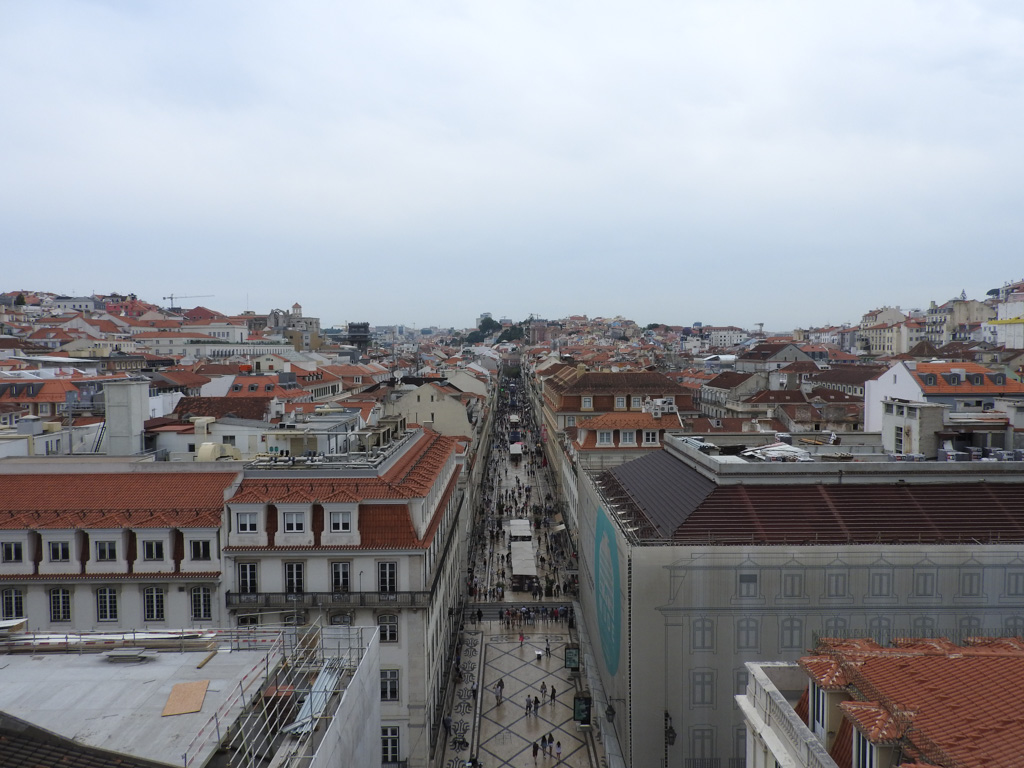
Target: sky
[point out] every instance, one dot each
(733, 162)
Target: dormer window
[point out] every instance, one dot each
(930, 379)
(604, 437)
(977, 380)
(587, 403)
(341, 522)
(954, 378)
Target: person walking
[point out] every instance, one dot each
(547, 648)
(521, 638)
(529, 705)
(536, 749)
(543, 690)
(536, 706)
(558, 752)
(552, 694)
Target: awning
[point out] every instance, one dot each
(559, 527)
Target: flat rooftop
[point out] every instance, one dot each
(117, 705)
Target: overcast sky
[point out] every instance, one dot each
(792, 163)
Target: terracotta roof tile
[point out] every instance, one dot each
(113, 500)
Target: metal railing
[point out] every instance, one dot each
(291, 600)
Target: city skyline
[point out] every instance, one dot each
(723, 163)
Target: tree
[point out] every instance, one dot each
(19, 301)
(475, 337)
(489, 325)
(512, 333)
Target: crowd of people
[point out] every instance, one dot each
(516, 483)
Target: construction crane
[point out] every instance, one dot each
(202, 296)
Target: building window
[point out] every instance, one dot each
(747, 634)
(12, 551)
(604, 437)
(106, 604)
(880, 629)
(60, 604)
(792, 585)
(792, 635)
(835, 626)
(388, 624)
(897, 443)
(748, 585)
(864, 752)
(1015, 583)
(60, 551)
(702, 743)
(637, 402)
(702, 688)
(294, 522)
(970, 626)
(341, 522)
(924, 584)
(153, 550)
(389, 685)
(389, 744)
(294, 574)
(650, 437)
(340, 579)
(970, 584)
(153, 603)
(703, 634)
(587, 404)
(387, 577)
(924, 626)
(620, 403)
(202, 603)
(881, 584)
(106, 551)
(1014, 625)
(247, 578)
(200, 549)
(246, 522)
(570, 421)
(627, 437)
(835, 584)
(742, 678)
(12, 603)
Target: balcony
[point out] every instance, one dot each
(293, 600)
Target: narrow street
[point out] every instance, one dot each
(519, 616)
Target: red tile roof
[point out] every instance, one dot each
(946, 705)
(412, 476)
(113, 500)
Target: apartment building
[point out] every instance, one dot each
(694, 563)
(108, 545)
(370, 537)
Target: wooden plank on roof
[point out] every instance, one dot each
(186, 698)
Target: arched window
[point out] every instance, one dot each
(924, 626)
(880, 629)
(12, 602)
(747, 634)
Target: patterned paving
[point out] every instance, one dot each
(506, 732)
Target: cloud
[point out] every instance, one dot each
(661, 160)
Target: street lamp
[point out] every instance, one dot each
(670, 732)
(610, 711)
